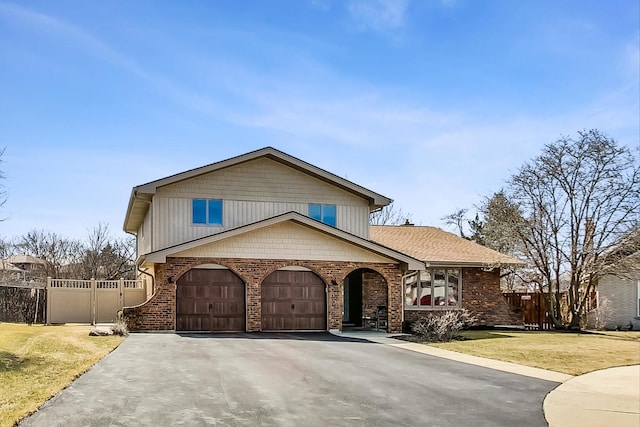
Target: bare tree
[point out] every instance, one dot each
(458, 219)
(389, 215)
(7, 271)
(579, 199)
(106, 257)
(100, 256)
(3, 192)
(6, 248)
(59, 254)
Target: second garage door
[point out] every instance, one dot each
(293, 301)
(210, 300)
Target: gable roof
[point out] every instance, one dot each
(141, 195)
(7, 266)
(25, 259)
(437, 247)
(622, 257)
(411, 263)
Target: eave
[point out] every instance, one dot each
(141, 195)
(407, 262)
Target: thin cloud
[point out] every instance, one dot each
(323, 5)
(378, 15)
(94, 46)
(39, 22)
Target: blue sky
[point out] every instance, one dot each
(433, 103)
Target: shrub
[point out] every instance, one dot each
(602, 313)
(441, 326)
(120, 327)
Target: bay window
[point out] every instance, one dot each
(435, 288)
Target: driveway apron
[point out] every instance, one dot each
(288, 380)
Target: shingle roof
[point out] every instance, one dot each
(24, 259)
(7, 266)
(435, 246)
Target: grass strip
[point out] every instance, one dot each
(569, 353)
(36, 362)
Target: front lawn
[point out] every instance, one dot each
(569, 353)
(38, 361)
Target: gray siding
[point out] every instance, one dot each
(623, 298)
(144, 236)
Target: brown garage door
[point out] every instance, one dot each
(293, 301)
(210, 300)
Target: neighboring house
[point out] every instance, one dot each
(9, 273)
(623, 299)
(33, 269)
(265, 242)
(619, 294)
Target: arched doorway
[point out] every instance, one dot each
(210, 300)
(294, 300)
(365, 299)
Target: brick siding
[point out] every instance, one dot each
(374, 293)
(382, 286)
(481, 295)
(158, 314)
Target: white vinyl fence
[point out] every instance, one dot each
(91, 301)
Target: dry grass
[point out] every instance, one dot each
(38, 361)
(570, 353)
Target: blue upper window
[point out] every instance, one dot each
(207, 211)
(324, 213)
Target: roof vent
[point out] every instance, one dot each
(407, 223)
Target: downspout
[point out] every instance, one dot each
(139, 270)
(153, 280)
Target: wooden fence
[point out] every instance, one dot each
(91, 301)
(535, 308)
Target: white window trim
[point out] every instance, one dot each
(458, 305)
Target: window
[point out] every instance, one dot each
(323, 213)
(433, 288)
(207, 211)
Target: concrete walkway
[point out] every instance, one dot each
(610, 397)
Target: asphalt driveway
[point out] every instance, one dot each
(288, 380)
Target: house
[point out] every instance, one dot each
(618, 290)
(10, 273)
(459, 273)
(32, 268)
(267, 242)
(622, 295)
